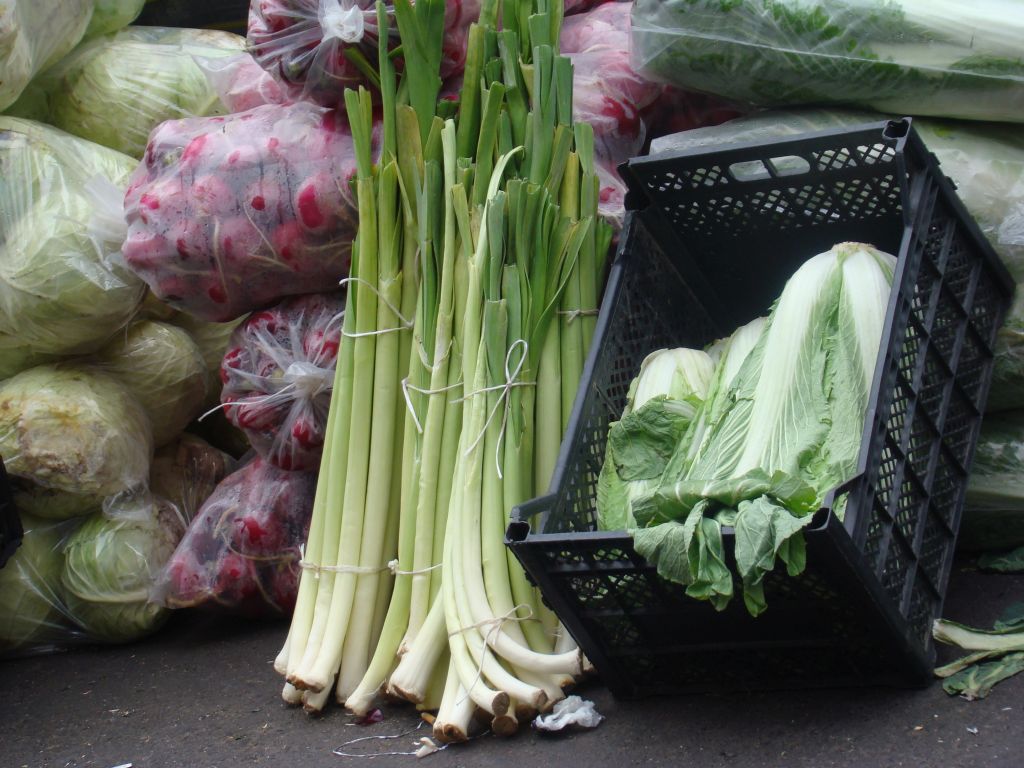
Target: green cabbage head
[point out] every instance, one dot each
(161, 366)
(63, 287)
(51, 503)
(111, 15)
(115, 89)
(30, 606)
(74, 430)
(110, 563)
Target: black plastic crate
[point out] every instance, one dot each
(10, 524)
(709, 242)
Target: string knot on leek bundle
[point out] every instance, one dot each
(751, 434)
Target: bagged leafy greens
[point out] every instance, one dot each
(163, 369)
(63, 287)
(74, 430)
(993, 517)
(944, 58)
(111, 15)
(212, 339)
(115, 89)
(230, 214)
(778, 428)
(241, 553)
(30, 602)
(110, 563)
(278, 374)
(47, 503)
(35, 35)
(1007, 390)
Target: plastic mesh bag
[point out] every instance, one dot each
(241, 553)
(115, 89)
(944, 58)
(318, 48)
(985, 161)
(278, 374)
(229, 214)
(63, 286)
(35, 35)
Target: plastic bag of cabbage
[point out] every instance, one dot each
(994, 505)
(115, 89)
(945, 58)
(88, 580)
(752, 434)
(90, 577)
(63, 287)
(35, 35)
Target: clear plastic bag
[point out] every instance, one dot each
(163, 369)
(35, 35)
(74, 430)
(278, 374)
(318, 48)
(63, 287)
(111, 15)
(32, 613)
(944, 58)
(230, 214)
(88, 580)
(111, 562)
(241, 553)
(241, 83)
(186, 472)
(994, 505)
(115, 89)
(1007, 390)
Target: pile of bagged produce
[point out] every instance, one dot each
(290, 322)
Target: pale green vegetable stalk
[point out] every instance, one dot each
(771, 439)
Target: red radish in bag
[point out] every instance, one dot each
(278, 374)
(241, 553)
(228, 215)
(311, 47)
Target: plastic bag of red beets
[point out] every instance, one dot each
(318, 48)
(278, 374)
(241, 553)
(230, 214)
